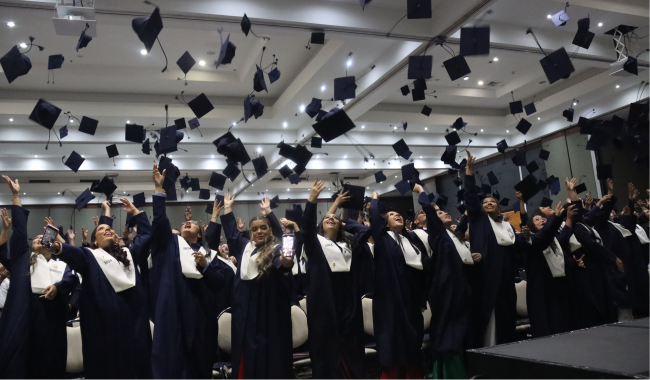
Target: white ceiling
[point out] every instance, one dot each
(112, 82)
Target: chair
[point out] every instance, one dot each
(75, 361)
(151, 327)
(426, 314)
(224, 339)
(366, 307)
(299, 331)
(303, 304)
(522, 308)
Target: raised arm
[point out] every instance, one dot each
(587, 240)
(276, 227)
(106, 218)
(309, 220)
(141, 243)
(213, 231)
(377, 223)
(434, 224)
(18, 243)
(236, 241)
(570, 188)
(360, 232)
(545, 236)
(603, 209)
(341, 198)
(4, 249)
(76, 257)
(472, 203)
(161, 228)
(67, 284)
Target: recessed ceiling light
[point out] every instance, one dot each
(11, 119)
(548, 16)
(348, 63)
(170, 156)
(600, 24)
(317, 156)
(82, 156)
(24, 193)
(495, 59)
(302, 108)
(395, 127)
(259, 149)
(575, 104)
(426, 128)
(128, 121)
(367, 187)
(202, 62)
(346, 156)
(36, 155)
(617, 86)
(11, 24)
(70, 121)
(285, 124)
(212, 156)
(363, 126)
(539, 118)
(59, 193)
(143, 51)
(322, 88)
(420, 156)
(507, 131)
(23, 45)
(234, 123)
(287, 189)
(127, 156)
(480, 83)
(481, 130)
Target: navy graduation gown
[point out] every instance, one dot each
(261, 313)
(31, 327)
(450, 290)
(335, 318)
(638, 267)
(496, 291)
(397, 300)
(363, 264)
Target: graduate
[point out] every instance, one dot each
(261, 311)
(399, 298)
(364, 265)
(335, 318)
(452, 266)
(34, 315)
(494, 302)
(183, 344)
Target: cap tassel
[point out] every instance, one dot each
(114, 161)
(530, 31)
(48, 139)
(166, 62)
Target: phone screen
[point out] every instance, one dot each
(287, 245)
(49, 235)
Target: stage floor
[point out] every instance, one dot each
(618, 350)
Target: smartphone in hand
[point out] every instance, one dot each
(50, 235)
(287, 245)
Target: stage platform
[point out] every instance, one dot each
(616, 351)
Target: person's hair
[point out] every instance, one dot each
(264, 255)
(112, 249)
(460, 235)
(643, 218)
(497, 217)
(531, 223)
(341, 237)
(404, 234)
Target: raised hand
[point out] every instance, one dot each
(216, 210)
(626, 211)
(96, 220)
(470, 163)
(188, 213)
(6, 220)
(158, 178)
(71, 235)
(570, 185)
(375, 195)
(13, 185)
(341, 198)
(49, 221)
(265, 206)
(129, 207)
(418, 188)
(610, 186)
(240, 224)
(519, 195)
(228, 200)
(84, 234)
(558, 209)
(526, 232)
(507, 217)
(315, 191)
(106, 206)
(200, 259)
(604, 200)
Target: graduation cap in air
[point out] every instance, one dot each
(204, 194)
(452, 138)
(599, 138)
(554, 184)
(541, 184)
(410, 173)
(523, 126)
(556, 65)
(519, 158)
(528, 187)
(169, 139)
(54, 62)
(420, 66)
(226, 52)
(379, 176)
(530, 108)
(405, 90)
(504, 202)
(502, 146)
(475, 40)
(449, 156)
(245, 25)
(252, 107)
(134, 133)
(546, 202)
(15, 64)
(106, 186)
(532, 167)
(458, 181)
(317, 38)
(581, 188)
(111, 150)
(275, 202)
(459, 123)
(316, 142)
(74, 161)
(604, 171)
(402, 150)
(232, 172)
(294, 214)
(232, 148)
(313, 107)
(560, 18)
(138, 200)
(285, 171)
(638, 113)
(631, 66)
(403, 187)
(274, 75)
(417, 9)
(88, 125)
(496, 195)
(146, 147)
(85, 39)
(147, 29)
(418, 94)
(298, 169)
(568, 114)
(586, 125)
(259, 83)
(63, 131)
(294, 178)
(217, 180)
(356, 194)
(426, 111)
(544, 154)
(516, 107)
(195, 184)
(186, 62)
(618, 122)
(583, 36)
(457, 67)
(420, 84)
(45, 114)
(345, 88)
(260, 166)
(460, 195)
(486, 189)
(83, 199)
(334, 125)
(180, 124)
(492, 178)
(185, 182)
(200, 105)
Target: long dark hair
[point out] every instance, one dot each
(404, 234)
(340, 233)
(112, 249)
(498, 217)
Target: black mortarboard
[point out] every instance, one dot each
(523, 126)
(55, 61)
(459, 123)
(200, 105)
(638, 112)
(461, 208)
(581, 188)
(599, 138)
(519, 158)
(502, 146)
(631, 66)
(148, 28)
(532, 167)
(285, 171)
(146, 148)
(420, 84)
(452, 138)
(259, 83)
(274, 75)
(232, 148)
(530, 109)
(88, 125)
(528, 187)
(252, 107)
(260, 166)
(516, 107)
(546, 202)
(168, 137)
(334, 125)
(458, 181)
(583, 36)
(217, 180)
(403, 187)
(298, 169)
(245, 25)
(294, 214)
(554, 184)
(492, 178)
(45, 114)
(226, 52)
(317, 38)
(557, 65)
(402, 150)
(138, 200)
(486, 189)
(275, 201)
(83, 199)
(231, 171)
(74, 161)
(186, 62)
(420, 66)
(475, 40)
(106, 186)
(457, 67)
(63, 131)
(313, 107)
(301, 156)
(496, 195)
(586, 125)
(618, 122)
(186, 182)
(85, 39)
(195, 184)
(356, 194)
(541, 184)
(410, 173)
(379, 176)
(134, 133)
(544, 154)
(417, 94)
(316, 142)
(449, 156)
(604, 171)
(460, 195)
(111, 150)
(345, 88)
(568, 113)
(426, 111)
(416, 9)
(320, 115)
(618, 142)
(294, 178)
(204, 194)
(504, 202)
(405, 90)
(560, 18)
(15, 64)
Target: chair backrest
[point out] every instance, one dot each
(75, 360)
(299, 331)
(366, 306)
(224, 338)
(522, 308)
(303, 304)
(426, 315)
(151, 327)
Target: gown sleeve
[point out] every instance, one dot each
(213, 235)
(543, 238)
(360, 232)
(472, 202)
(213, 274)
(462, 225)
(77, 258)
(377, 223)
(434, 224)
(4, 256)
(564, 236)
(141, 243)
(276, 226)
(161, 232)
(67, 284)
(18, 243)
(592, 246)
(236, 241)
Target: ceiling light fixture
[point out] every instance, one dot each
(480, 83)
(128, 121)
(202, 62)
(36, 156)
(259, 149)
(466, 78)
(617, 86)
(426, 128)
(348, 63)
(495, 59)
(363, 126)
(285, 124)
(23, 45)
(11, 119)
(481, 130)
(507, 131)
(302, 108)
(322, 88)
(600, 24)
(143, 52)
(539, 118)
(548, 16)
(11, 24)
